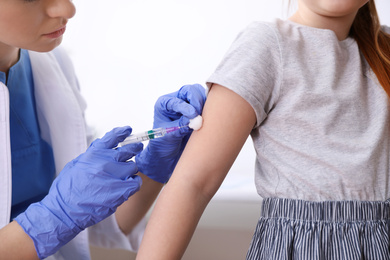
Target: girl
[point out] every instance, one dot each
(42, 127)
(313, 92)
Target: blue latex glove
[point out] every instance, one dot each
(88, 189)
(159, 158)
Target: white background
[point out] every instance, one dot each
(129, 52)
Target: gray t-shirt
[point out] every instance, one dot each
(322, 129)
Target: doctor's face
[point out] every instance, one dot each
(34, 24)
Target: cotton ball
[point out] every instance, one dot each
(196, 123)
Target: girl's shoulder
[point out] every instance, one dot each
(260, 34)
(286, 31)
(275, 28)
(386, 29)
(257, 30)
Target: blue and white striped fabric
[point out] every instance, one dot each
(338, 230)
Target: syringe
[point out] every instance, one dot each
(149, 135)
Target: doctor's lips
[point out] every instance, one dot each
(57, 33)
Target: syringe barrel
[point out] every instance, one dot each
(144, 136)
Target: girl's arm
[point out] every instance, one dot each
(210, 152)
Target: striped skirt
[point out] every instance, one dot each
(338, 230)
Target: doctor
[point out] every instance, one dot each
(99, 197)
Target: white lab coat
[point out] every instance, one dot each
(60, 110)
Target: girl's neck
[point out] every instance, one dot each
(9, 56)
(340, 25)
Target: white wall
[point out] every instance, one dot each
(129, 52)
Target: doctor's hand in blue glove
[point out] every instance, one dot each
(88, 190)
(159, 158)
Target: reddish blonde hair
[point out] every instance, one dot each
(373, 42)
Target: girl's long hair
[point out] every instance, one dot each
(373, 42)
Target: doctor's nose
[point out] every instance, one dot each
(60, 8)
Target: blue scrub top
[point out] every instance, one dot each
(33, 167)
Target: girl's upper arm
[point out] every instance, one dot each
(227, 122)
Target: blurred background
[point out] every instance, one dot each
(127, 53)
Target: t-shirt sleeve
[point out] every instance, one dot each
(252, 68)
